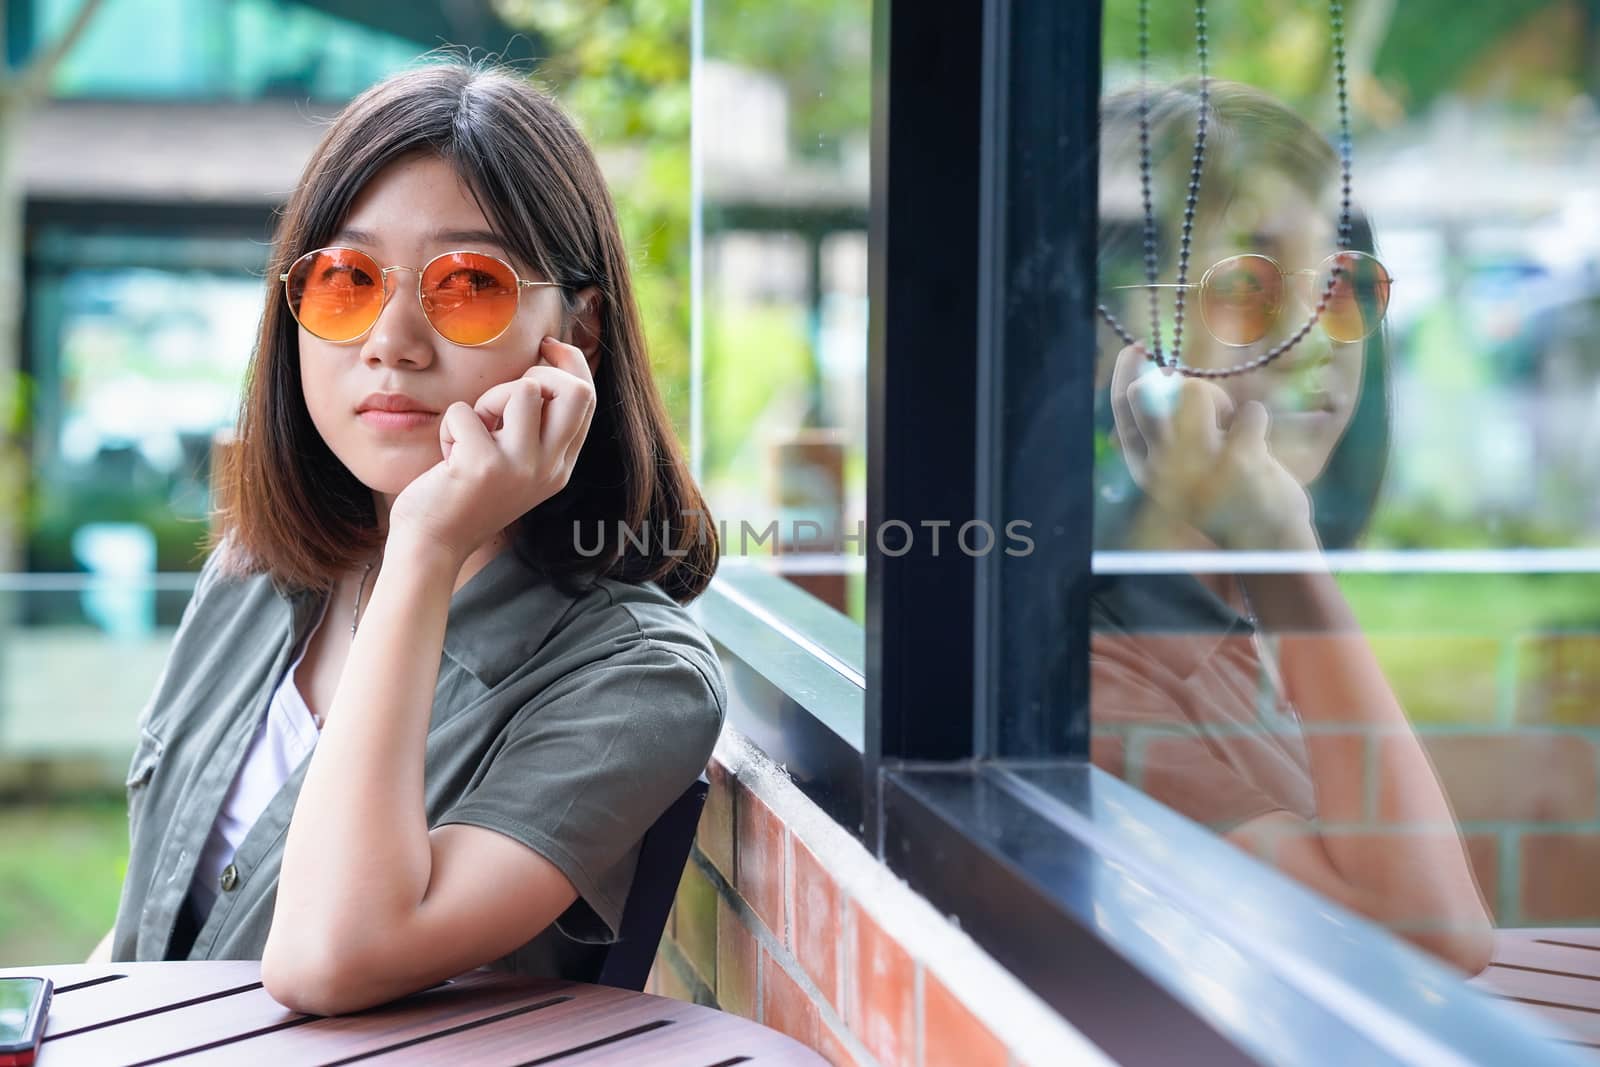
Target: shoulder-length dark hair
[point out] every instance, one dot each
(289, 507)
(1248, 134)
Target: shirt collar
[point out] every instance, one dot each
(497, 620)
(1167, 606)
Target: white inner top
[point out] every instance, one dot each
(287, 734)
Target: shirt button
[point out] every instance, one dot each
(230, 878)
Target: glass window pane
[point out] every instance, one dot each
(1346, 598)
(782, 111)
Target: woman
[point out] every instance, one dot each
(1250, 701)
(370, 793)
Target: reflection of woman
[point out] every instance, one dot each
(1250, 701)
(372, 793)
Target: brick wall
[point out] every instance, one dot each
(784, 918)
(1511, 727)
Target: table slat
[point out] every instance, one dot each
(1576, 991)
(158, 1011)
(517, 1040)
(92, 1005)
(1553, 974)
(331, 1038)
(136, 1040)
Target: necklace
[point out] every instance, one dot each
(1154, 350)
(356, 614)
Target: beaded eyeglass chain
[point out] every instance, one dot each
(1156, 354)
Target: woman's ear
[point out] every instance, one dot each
(584, 326)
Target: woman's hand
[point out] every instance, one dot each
(503, 456)
(1205, 463)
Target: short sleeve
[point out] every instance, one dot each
(585, 768)
(1146, 736)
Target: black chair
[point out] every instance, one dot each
(662, 855)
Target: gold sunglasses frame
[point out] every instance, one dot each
(1285, 274)
(383, 281)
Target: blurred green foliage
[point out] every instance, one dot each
(1402, 54)
(622, 67)
(622, 70)
(15, 402)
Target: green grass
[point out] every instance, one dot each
(61, 868)
(1481, 605)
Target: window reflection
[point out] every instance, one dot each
(1244, 694)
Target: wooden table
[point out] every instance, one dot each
(196, 1013)
(1554, 973)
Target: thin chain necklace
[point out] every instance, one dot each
(355, 615)
(1154, 350)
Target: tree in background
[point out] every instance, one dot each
(622, 69)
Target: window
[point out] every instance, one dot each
(782, 166)
(1344, 628)
(998, 212)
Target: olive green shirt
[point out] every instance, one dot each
(566, 723)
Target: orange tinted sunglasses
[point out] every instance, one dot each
(469, 298)
(1242, 296)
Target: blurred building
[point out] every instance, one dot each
(151, 179)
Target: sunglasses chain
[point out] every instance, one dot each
(1191, 199)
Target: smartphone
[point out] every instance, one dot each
(24, 1004)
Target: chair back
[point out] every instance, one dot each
(662, 855)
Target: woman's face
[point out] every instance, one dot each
(1310, 391)
(409, 212)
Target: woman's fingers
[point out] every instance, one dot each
(543, 416)
(1249, 428)
(1124, 373)
(461, 429)
(1149, 422)
(1200, 414)
(568, 414)
(522, 420)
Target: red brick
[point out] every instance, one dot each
(1519, 775)
(715, 836)
(1560, 873)
(834, 1049)
(696, 923)
(882, 1009)
(951, 1035)
(815, 923)
(784, 1005)
(759, 861)
(737, 964)
(1483, 850)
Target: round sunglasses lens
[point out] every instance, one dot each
(1240, 299)
(335, 293)
(470, 298)
(1359, 297)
